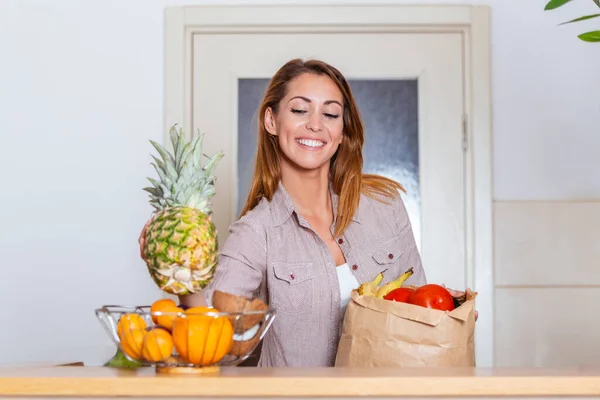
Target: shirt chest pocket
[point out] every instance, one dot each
(388, 256)
(293, 286)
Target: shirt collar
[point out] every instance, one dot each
(283, 207)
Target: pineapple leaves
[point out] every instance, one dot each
(160, 164)
(212, 162)
(160, 168)
(179, 150)
(161, 174)
(199, 141)
(186, 194)
(175, 138)
(186, 173)
(166, 156)
(182, 157)
(156, 183)
(171, 173)
(156, 192)
(160, 190)
(183, 180)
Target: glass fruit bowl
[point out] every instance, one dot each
(199, 339)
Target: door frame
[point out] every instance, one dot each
(181, 23)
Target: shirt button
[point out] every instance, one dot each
(390, 256)
(355, 267)
(340, 241)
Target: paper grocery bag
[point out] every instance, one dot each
(383, 333)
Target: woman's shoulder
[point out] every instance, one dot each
(258, 218)
(389, 210)
(380, 204)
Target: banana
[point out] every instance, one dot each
(395, 284)
(370, 288)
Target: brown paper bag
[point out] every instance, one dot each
(382, 333)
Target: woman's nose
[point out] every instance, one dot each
(314, 123)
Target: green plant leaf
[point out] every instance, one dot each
(581, 18)
(552, 4)
(593, 36)
(597, 2)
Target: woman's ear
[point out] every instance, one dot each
(270, 124)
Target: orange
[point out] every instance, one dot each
(202, 339)
(166, 321)
(131, 329)
(200, 310)
(132, 343)
(157, 345)
(160, 305)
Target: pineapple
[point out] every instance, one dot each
(179, 242)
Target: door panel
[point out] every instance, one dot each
(411, 96)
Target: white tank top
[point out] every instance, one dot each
(347, 283)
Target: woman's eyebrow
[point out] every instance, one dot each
(310, 101)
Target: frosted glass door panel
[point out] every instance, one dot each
(391, 117)
(390, 113)
(250, 94)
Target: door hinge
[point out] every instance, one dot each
(465, 134)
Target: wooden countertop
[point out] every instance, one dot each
(238, 382)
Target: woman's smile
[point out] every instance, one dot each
(310, 144)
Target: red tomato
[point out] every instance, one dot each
(401, 295)
(433, 296)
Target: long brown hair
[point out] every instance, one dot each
(347, 178)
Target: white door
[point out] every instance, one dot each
(409, 87)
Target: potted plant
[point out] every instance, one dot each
(592, 36)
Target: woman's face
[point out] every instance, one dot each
(309, 122)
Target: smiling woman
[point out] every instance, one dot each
(313, 225)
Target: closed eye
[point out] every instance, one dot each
(327, 115)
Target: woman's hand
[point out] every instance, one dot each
(142, 237)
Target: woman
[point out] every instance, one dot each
(313, 226)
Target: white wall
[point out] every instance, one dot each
(81, 94)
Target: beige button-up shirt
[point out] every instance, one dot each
(273, 253)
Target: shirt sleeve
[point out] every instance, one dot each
(411, 252)
(241, 264)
